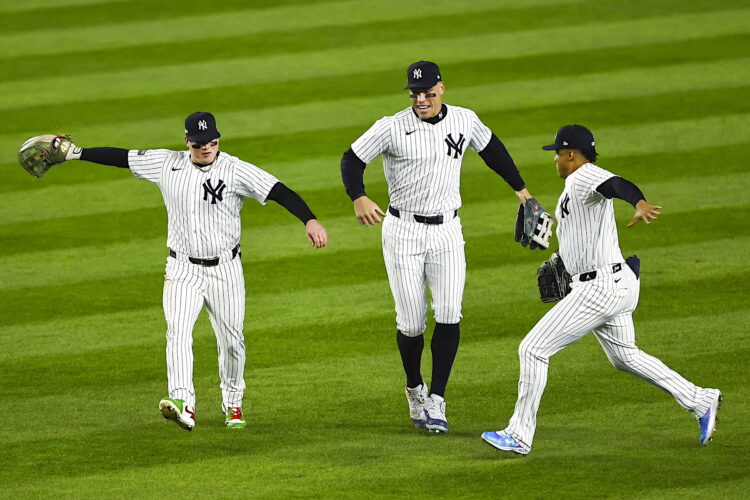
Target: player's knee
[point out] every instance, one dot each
(528, 350)
(625, 361)
(447, 314)
(411, 332)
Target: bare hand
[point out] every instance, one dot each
(645, 211)
(523, 195)
(367, 211)
(316, 233)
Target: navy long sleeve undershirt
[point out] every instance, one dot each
(617, 187)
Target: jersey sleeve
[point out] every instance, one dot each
(148, 163)
(374, 142)
(253, 182)
(589, 178)
(480, 135)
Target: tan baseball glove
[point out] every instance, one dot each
(39, 154)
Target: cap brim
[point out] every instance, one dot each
(420, 85)
(203, 138)
(551, 147)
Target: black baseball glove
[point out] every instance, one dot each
(533, 225)
(553, 279)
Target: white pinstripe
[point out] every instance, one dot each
(201, 229)
(415, 253)
(423, 175)
(603, 305)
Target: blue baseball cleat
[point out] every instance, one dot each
(505, 442)
(707, 423)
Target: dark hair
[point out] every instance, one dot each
(590, 154)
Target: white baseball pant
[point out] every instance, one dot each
(416, 254)
(187, 287)
(603, 305)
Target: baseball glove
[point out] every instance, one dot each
(39, 154)
(553, 279)
(533, 225)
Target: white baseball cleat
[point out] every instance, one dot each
(179, 412)
(434, 412)
(416, 398)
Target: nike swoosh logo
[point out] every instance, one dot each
(173, 169)
(617, 281)
(408, 133)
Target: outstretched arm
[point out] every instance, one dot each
(294, 203)
(617, 187)
(117, 157)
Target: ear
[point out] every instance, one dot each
(186, 143)
(441, 88)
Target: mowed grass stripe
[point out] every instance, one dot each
(316, 172)
(225, 98)
(103, 57)
(344, 271)
(273, 233)
(592, 89)
(103, 196)
(661, 336)
(121, 365)
(347, 61)
(273, 246)
(195, 28)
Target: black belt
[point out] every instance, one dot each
(424, 219)
(206, 262)
(591, 275)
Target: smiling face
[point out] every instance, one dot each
(427, 102)
(203, 154)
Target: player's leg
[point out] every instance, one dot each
(617, 338)
(182, 301)
(445, 268)
(567, 322)
(403, 254)
(225, 302)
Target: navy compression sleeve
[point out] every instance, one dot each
(498, 159)
(617, 187)
(117, 157)
(353, 173)
(291, 201)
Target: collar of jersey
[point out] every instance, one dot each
(207, 166)
(435, 119)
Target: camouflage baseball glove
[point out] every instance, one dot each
(553, 279)
(39, 154)
(533, 225)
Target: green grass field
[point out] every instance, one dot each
(665, 86)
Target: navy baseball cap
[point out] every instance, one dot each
(422, 75)
(572, 137)
(201, 127)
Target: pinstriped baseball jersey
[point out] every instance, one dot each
(422, 161)
(586, 226)
(203, 205)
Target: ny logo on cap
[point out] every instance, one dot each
(202, 125)
(417, 73)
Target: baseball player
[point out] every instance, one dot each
(203, 190)
(603, 294)
(423, 147)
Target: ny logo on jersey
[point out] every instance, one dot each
(455, 148)
(564, 206)
(417, 74)
(202, 125)
(215, 192)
